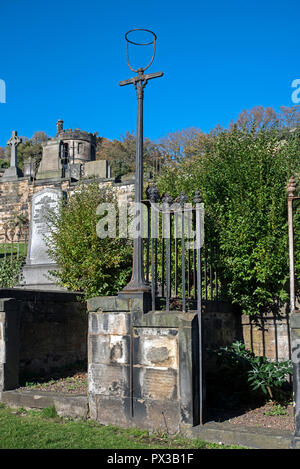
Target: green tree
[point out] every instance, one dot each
(242, 173)
(175, 145)
(2, 153)
(4, 163)
(122, 153)
(87, 263)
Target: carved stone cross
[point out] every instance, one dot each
(13, 172)
(14, 141)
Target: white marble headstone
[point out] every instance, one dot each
(42, 202)
(38, 262)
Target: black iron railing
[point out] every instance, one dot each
(14, 242)
(180, 267)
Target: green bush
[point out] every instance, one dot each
(87, 263)
(4, 163)
(10, 271)
(242, 176)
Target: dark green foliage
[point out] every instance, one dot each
(87, 263)
(4, 163)
(10, 270)
(260, 373)
(242, 175)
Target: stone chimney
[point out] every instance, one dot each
(59, 126)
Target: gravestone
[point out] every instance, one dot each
(38, 263)
(13, 172)
(99, 168)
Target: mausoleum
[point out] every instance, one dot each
(65, 155)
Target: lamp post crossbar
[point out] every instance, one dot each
(142, 78)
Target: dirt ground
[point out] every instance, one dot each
(269, 415)
(73, 384)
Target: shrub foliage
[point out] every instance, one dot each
(87, 263)
(261, 374)
(10, 271)
(242, 174)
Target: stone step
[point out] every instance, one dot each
(66, 405)
(249, 437)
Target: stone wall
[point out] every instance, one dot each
(265, 335)
(14, 199)
(144, 368)
(39, 331)
(268, 335)
(16, 196)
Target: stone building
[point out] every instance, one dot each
(65, 155)
(66, 159)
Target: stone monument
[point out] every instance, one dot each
(100, 169)
(13, 172)
(38, 263)
(64, 155)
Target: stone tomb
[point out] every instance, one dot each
(38, 263)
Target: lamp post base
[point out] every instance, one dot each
(141, 301)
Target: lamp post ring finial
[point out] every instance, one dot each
(129, 41)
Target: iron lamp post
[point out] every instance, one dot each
(137, 283)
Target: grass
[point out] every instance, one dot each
(12, 248)
(277, 409)
(33, 429)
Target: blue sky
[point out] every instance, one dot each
(64, 59)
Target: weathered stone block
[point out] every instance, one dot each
(150, 415)
(99, 168)
(109, 323)
(110, 410)
(106, 349)
(119, 349)
(163, 416)
(157, 347)
(2, 351)
(156, 384)
(99, 349)
(71, 406)
(109, 380)
(108, 304)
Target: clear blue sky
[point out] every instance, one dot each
(64, 59)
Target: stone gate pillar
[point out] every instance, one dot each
(142, 368)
